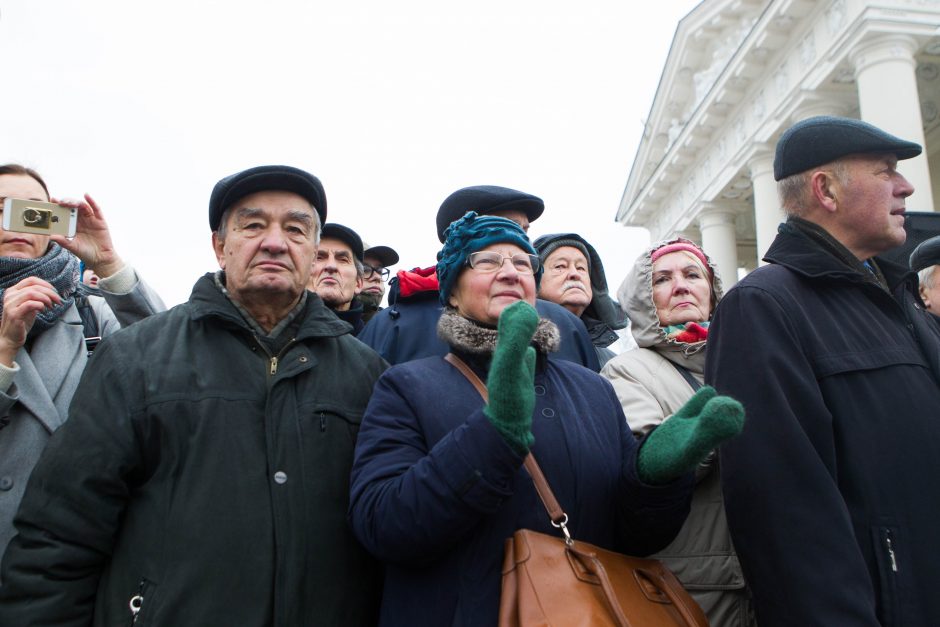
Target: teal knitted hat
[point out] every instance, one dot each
(470, 234)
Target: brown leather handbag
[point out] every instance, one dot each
(551, 581)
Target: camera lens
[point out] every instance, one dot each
(31, 216)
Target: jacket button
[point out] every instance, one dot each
(303, 359)
(6, 483)
(540, 390)
(548, 412)
(280, 477)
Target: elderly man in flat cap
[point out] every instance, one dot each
(830, 489)
(337, 275)
(203, 475)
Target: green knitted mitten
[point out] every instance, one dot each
(681, 442)
(511, 382)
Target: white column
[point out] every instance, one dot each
(767, 212)
(888, 98)
(720, 243)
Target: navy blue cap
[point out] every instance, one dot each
(485, 199)
(265, 178)
(822, 139)
(345, 235)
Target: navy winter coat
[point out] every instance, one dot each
(406, 330)
(436, 490)
(831, 488)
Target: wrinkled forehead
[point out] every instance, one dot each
(681, 258)
(568, 253)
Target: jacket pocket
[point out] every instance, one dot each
(140, 605)
(886, 541)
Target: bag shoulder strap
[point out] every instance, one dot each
(692, 381)
(89, 321)
(552, 506)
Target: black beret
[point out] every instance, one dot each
(345, 235)
(822, 139)
(485, 199)
(385, 254)
(264, 178)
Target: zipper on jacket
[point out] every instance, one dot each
(889, 544)
(137, 602)
(273, 359)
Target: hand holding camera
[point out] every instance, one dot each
(21, 304)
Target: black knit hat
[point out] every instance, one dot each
(265, 178)
(345, 235)
(485, 199)
(822, 139)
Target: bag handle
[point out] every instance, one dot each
(552, 506)
(560, 520)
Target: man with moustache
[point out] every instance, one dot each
(575, 279)
(338, 274)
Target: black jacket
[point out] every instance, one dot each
(203, 475)
(830, 489)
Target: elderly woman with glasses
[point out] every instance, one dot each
(438, 483)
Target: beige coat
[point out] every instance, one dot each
(651, 390)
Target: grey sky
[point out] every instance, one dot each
(392, 105)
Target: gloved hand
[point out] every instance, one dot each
(511, 381)
(682, 441)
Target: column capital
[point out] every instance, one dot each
(881, 49)
(761, 163)
(711, 215)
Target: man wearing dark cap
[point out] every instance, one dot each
(574, 278)
(829, 489)
(375, 264)
(203, 475)
(407, 328)
(337, 275)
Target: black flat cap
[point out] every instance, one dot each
(926, 254)
(265, 178)
(345, 235)
(385, 254)
(485, 199)
(822, 139)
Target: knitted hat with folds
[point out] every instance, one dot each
(470, 234)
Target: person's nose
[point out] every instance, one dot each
(681, 286)
(275, 241)
(507, 271)
(905, 188)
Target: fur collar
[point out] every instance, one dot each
(472, 337)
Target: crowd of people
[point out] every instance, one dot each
(282, 450)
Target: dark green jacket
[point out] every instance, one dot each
(201, 475)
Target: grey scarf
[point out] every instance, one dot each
(472, 337)
(58, 267)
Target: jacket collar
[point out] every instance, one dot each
(206, 301)
(806, 256)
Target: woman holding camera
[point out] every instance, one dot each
(45, 320)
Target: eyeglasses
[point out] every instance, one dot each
(487, 261)
(368, 271)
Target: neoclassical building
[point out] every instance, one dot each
(739, 73)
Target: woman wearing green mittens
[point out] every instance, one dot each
(438, 484)
(669, 296)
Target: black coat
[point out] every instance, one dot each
(407, 330)
(198, 473)
(831, 488)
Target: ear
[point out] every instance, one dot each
(218, 246)
(359, 283)
(923, 296)
(823, 188)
